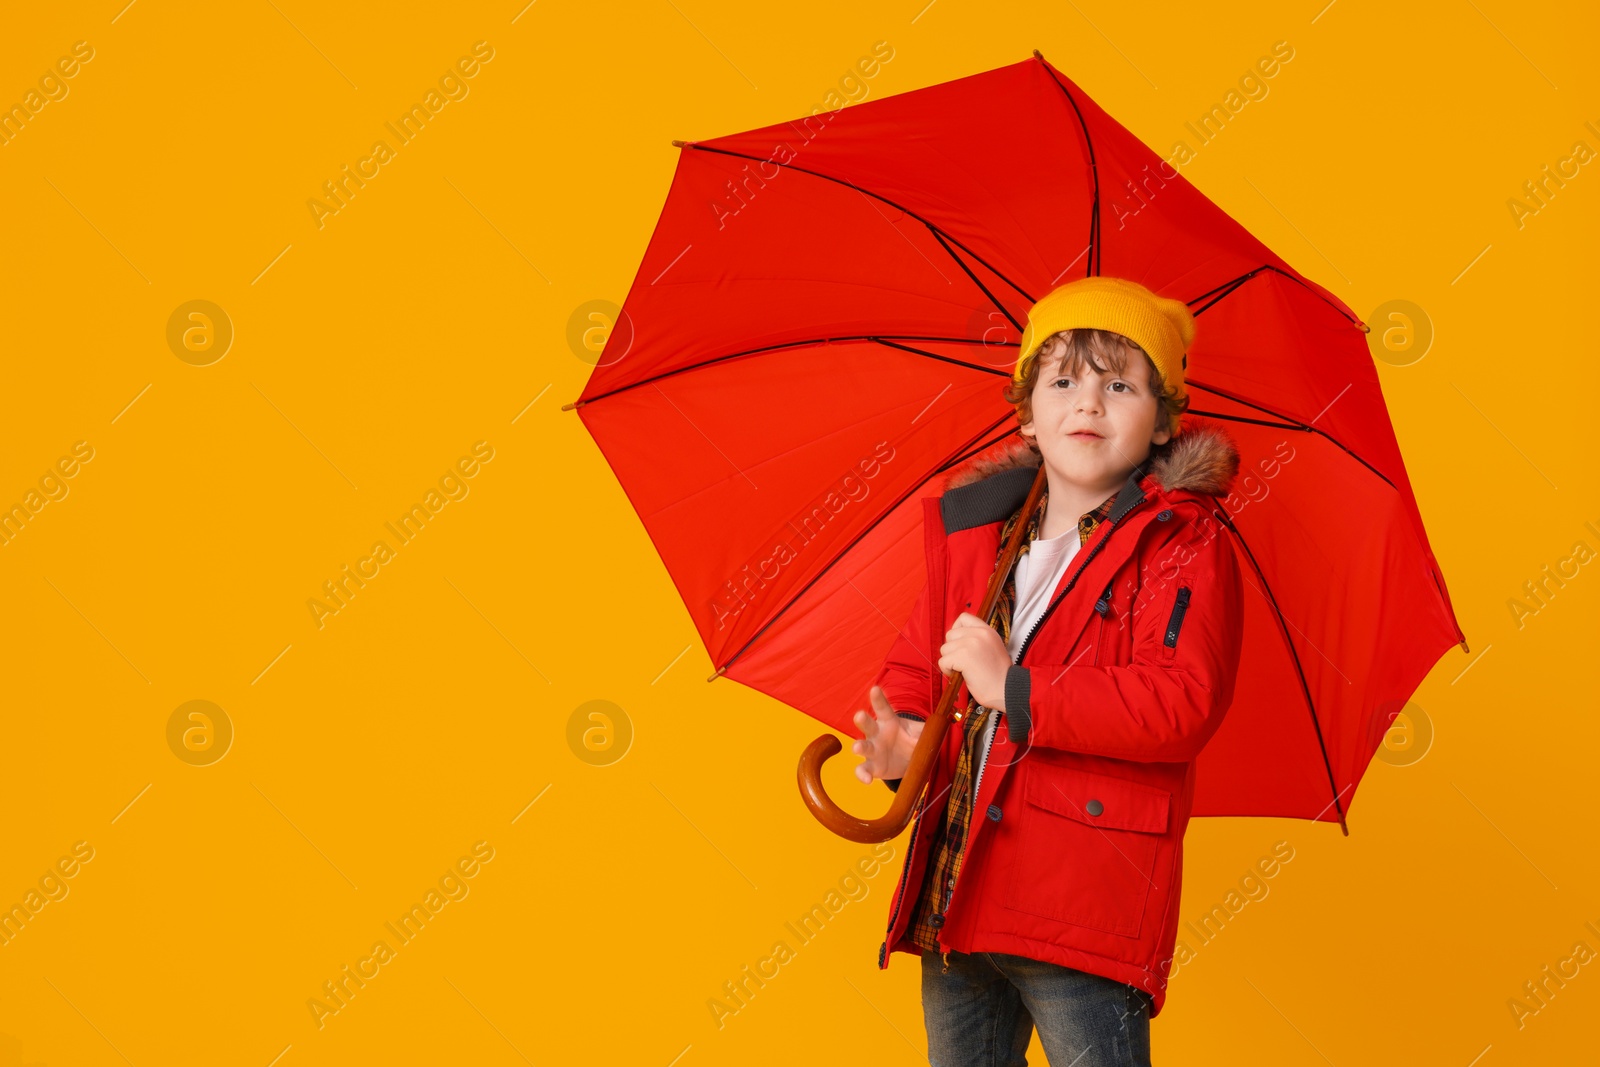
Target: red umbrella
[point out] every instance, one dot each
(822, 326)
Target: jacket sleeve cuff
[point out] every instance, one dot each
(894, 783)
(1019, 686)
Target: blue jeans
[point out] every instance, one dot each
(983, 1011)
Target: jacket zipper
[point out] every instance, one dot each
(1103, 608)
(990, 728)
(1111, 525)
(1176, 622)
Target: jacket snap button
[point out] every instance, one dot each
(936, 920)
(1094, 807)
(1164, 514)
(994, 813)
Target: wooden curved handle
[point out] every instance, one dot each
(871, 831)
(920, 769)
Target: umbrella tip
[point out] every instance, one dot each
(572, 406)
(1037, 54)
(679, 144)
(1364, 327)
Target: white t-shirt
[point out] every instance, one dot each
(1039, 571)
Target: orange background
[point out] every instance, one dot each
(434, 711)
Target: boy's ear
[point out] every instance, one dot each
(1163, 429)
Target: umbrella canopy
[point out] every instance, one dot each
(823, 324)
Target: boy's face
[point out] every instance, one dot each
(1093, 428)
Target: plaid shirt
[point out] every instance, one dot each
(949, 843)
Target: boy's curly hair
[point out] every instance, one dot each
(1101, 349)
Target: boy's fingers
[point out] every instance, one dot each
(866, 724)
(880, 703)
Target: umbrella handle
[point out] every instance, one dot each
(920, 768)
(871, 831)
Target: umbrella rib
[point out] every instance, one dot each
(960, 455)
(1235, 284)
(948, 340)
(1293, 424)
(1225, 288)
(1094, 171)
(898, 207)
(1294, 656)
(813, 341)
(1244, 418)
(934, 355)
(937, 236)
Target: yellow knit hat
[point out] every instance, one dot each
(1163, 328)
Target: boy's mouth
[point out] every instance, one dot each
(1085, 435)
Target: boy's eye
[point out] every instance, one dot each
(1117, 383)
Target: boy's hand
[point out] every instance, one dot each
(886, 742)
(974, 648)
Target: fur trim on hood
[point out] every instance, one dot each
(1201, 459)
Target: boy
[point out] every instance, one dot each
(1043, 873)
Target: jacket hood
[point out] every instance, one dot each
(1201, 459)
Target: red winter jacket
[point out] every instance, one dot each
(1075, 853)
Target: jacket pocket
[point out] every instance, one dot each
(1088, 849)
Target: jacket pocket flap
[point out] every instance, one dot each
(1100, 800)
